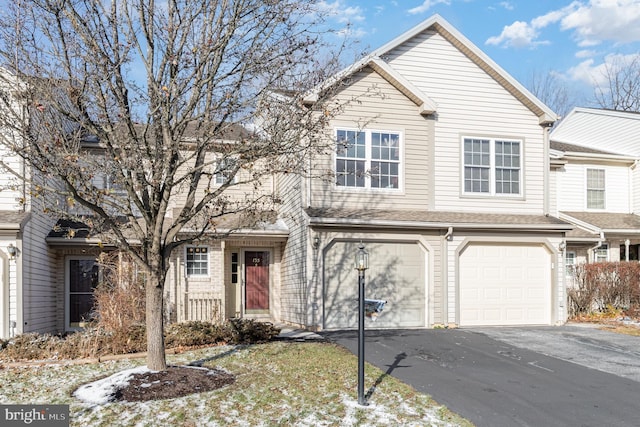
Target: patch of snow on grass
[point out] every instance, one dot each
(102, 391)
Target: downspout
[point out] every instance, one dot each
(545, 199)
(449, 234)
(600, 242)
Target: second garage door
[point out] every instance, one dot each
(396, 273)
(505, 285)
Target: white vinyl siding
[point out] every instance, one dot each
(368, 159)
(595, 189)
(471, 102)
(572, 187)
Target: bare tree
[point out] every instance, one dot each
(549, 88)
(621, 88)
(139, 116)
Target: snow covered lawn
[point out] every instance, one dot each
(302, 384)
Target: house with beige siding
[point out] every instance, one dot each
(442, 171)
(595, 154)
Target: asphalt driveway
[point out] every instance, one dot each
(546, 376)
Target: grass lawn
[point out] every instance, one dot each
(279, 383)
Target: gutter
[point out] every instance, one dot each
(337, 222)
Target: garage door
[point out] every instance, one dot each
(396, 274)
(505, 285)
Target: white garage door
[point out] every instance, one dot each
(505, 285)
(396, 274)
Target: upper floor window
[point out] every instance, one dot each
(197, 261)
(225, 170)
(492, 166)
(368, 159)
(595, 189)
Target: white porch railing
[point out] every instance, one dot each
(201, 306)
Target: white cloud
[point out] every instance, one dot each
(507, 5)
(343, 13)
(596, 74)
(426, 5)
(585, 53)
(598, 20)
(591, 22)
(519, 34)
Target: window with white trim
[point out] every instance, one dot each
(197, 261)
(225, 170)
(492, 166)
(595, 189)
(601, 254)
(570, 263)
(368, 159)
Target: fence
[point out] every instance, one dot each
(202, 306)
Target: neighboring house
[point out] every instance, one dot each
(231, 272)
(442, 173)
(27, 291)
(595, 154)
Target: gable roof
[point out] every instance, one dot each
(438, 24)
(599, 129)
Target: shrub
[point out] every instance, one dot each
(249, 331)
(606, 288)
(195, 334)
(119, 298)
(95, 342)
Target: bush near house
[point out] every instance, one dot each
(95, 342)
(605, 289)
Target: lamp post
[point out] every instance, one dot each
(362, 263)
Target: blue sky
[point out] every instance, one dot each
(573, 39)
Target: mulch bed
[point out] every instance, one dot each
(176, 381)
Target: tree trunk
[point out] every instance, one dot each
(156, 359)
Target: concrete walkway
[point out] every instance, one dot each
(291, 333)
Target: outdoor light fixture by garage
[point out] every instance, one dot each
(12, 250)
(362, 263)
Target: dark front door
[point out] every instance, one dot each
(83, 279)
(257, 280)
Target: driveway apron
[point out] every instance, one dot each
(494, 383)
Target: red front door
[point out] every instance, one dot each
(257, 280)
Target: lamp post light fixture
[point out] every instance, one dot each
(362, 263)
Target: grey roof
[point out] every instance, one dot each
(433, 219)
(12, 220)
(265, 224)
(608, 221)
(573, 148)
